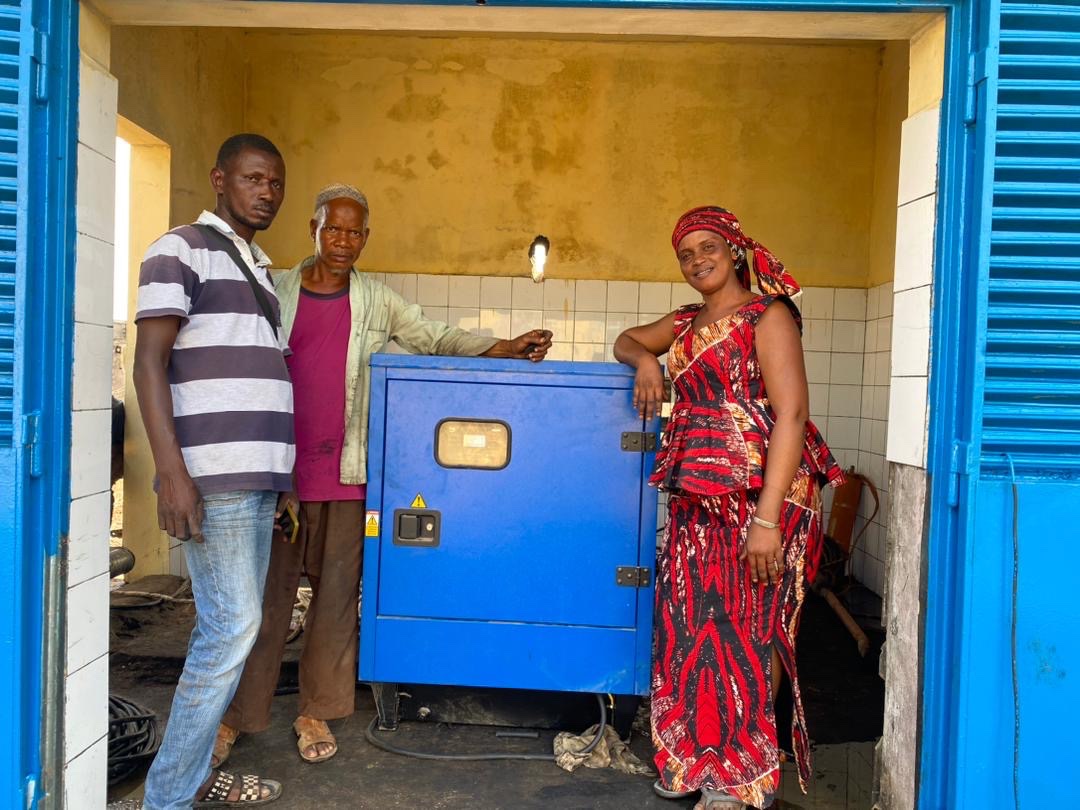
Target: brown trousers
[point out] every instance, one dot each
(329, 550)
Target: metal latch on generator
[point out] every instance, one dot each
(632, 576)
(638, 442)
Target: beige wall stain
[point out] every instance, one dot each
(417, 108)
(480, 143)
(436, 159)
(360, 72)
(523, 71)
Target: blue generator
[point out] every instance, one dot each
(510, 536)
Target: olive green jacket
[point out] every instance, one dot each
(378, 315)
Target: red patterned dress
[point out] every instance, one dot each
(712, 709)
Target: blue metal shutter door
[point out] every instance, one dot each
(1024, 609)
(38, 63)
(1032, 395)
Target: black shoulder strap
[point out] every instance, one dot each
(227, 245)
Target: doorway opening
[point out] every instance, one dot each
(600, 141)
(142, 214)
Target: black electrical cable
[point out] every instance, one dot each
(369, 735)
(154, 598)
(133, 737)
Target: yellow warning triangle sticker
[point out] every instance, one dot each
(418, 502)
(371, 528)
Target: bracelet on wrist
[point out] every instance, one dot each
(765, 524)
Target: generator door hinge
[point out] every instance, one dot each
(976, 75)
(632, 577)
(959, 462)
(638, 442)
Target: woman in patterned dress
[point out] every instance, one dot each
(743, 467)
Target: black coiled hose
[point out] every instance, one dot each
(133, 737)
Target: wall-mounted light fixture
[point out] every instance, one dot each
(538, 254)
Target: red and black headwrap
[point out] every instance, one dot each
(771, 277)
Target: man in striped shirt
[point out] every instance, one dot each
(335, 318)
(216, 400)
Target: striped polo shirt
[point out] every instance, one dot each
(232, 398)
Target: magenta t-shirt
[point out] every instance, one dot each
(320, 344)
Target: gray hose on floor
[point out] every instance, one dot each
(370, 736)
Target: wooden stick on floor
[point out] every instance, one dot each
(856, 632)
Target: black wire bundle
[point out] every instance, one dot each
(133, 737)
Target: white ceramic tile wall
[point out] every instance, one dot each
(526, 294)
(907, 427)
(97, 107)
(464, 292)
(93, 367)
(914, 259)
(84, 785)
(88, 538)
(86, 685)
(432, 291)
(586, 316)
(868, 561)
(496, 293)
(918, 155)
(93, 298)
(94, 202)
(914, 262)
(911, 333)
(87, 623)
(86, 709)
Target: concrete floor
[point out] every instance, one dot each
(366, 778)
(148, 647)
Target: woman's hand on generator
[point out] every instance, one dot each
(648, 387)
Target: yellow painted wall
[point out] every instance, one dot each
(891, 111)
(927, 67)
(149, 189)
(186, 87)
(469, 146)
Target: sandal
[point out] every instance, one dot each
(311, 733)
(230, 790)
(717, 800)
(223, 744)
(664, 793)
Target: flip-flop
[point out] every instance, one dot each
(223, 744)
(664, 793)
(311, 732)
(250, 795)
(715, 800)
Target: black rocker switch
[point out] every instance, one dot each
(408, 527)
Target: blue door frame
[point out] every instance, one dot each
(955, 751)
(38, 74)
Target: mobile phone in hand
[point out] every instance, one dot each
(288, 522)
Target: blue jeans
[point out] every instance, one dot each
(228, 572)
